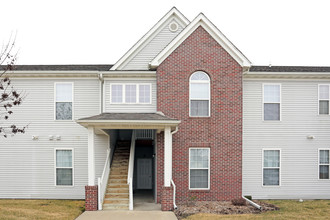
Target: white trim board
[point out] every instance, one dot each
(201, 20)
(172, 13)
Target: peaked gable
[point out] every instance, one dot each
(201, 20)
(157, 38)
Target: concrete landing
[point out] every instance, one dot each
(127, 215)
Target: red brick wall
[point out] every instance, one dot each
(222, 132)
(167, 199)
(91, 194)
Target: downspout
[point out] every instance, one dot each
(172, 182)
(252, 203)
(100, 76)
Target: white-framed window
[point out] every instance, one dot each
(64, 167)
(324, 99)
(199, 94)
(128, 93)
(63, 100)
(199, 168)
(324, 164)
(271, 167)
(272, 102)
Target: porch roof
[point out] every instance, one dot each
(156, 121)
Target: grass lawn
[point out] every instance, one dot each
(40, 209)
(289, 209)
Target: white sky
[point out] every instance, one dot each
(279, 32)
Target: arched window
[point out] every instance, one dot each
(199, 94)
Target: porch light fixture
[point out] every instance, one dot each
(35, 137)
(50, 137)
(58, 137)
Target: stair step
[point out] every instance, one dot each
(116, 185)
(117, 195)
(117, 190)
(118, 172)
(116, 201)
(112, 176)
(118, 181)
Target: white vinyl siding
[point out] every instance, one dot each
(299, 155)
(27, 168)
(271, 167)
(324, 99)
(150, 49)
(64, 101)
(64, 167)
(146, 99)
(199, 95)
(324, 164)
(272, 101)
(199, 168)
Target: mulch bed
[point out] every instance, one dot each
(222, 208)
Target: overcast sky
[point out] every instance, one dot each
(279, 32)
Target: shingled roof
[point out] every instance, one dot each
(129, 117)
(289, 69)
(101, 67)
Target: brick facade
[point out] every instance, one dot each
(167, 199)
(91, 194)
(221, 132)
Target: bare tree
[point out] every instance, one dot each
(9, 97)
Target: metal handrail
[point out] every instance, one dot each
(130, 170)
(102, 181)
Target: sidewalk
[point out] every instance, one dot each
(127, 215)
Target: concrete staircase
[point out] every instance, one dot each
(116, 196)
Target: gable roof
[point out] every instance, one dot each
(172, 13)
(202, 20)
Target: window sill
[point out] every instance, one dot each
(200, 117)
(200, 190)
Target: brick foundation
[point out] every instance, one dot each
(91, 194)
(167, 199)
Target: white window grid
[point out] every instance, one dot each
(55, 167)
(323, 164)
(137, 91)
(263, 101)
(200, 99)
(279, 167)
(319, 98)
(72, 101)
(208, 168)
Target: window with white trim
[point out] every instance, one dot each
(117, 93)
(63, 101)
(199, 168)
(324, 99)
(272, 102)
(130, 93)
(64, 167)
(271, 168)
(199, 94)
(324, 163)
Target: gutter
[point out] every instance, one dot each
(252, 203)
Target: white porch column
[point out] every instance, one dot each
(167, 156)
(91, 157)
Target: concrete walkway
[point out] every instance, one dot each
(127, 215)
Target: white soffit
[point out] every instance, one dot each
(172, 13)
(201, 20)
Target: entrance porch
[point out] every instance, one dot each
(130, 170)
